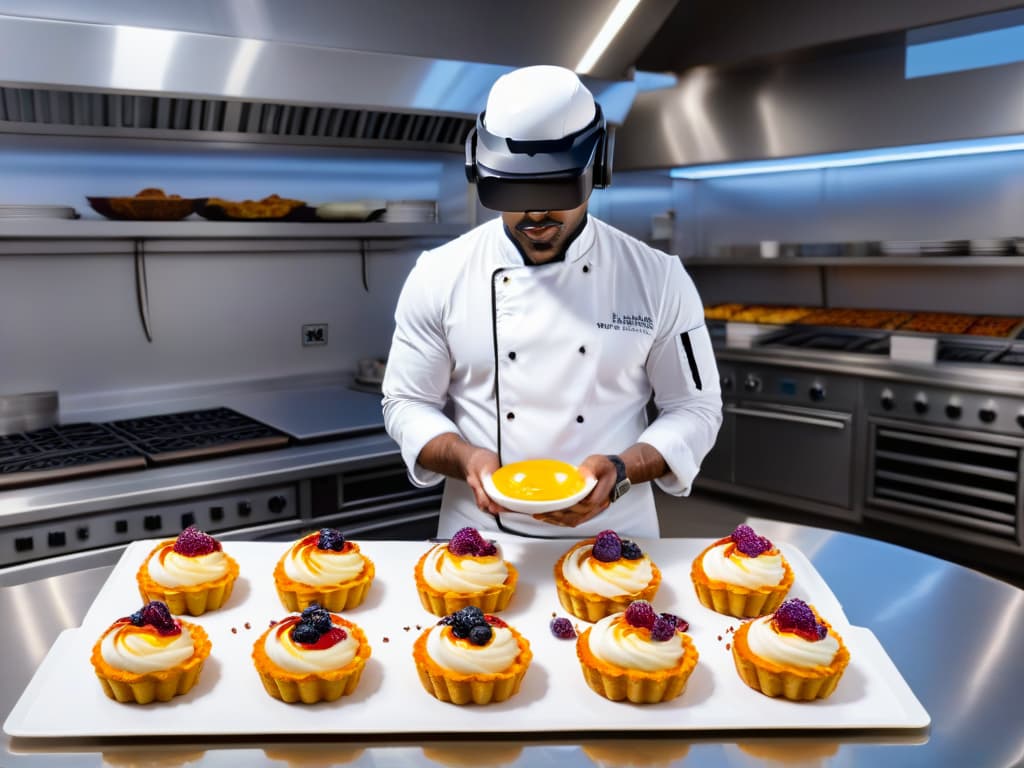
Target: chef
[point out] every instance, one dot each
(544, 333)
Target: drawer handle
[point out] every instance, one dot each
(791, 417)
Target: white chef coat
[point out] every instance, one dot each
(556, 361)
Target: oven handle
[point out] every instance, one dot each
(810, 421)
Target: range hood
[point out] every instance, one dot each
(114, 80)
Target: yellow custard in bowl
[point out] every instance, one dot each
(536, 486)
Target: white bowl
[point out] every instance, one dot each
(527, 507)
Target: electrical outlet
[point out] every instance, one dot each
(314, 335)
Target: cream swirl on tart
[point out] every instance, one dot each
(143, 649)
(788, 648)
(307, 563)
(620, 577)
(172, 569)
(333, 650)
(447, 572)
(615, 641)
(725, 563)
(460, 655)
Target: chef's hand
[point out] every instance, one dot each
(478, 463)
(594, 503)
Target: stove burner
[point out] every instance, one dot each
(194, 434)
(62, 452)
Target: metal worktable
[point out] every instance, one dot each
(954, 634)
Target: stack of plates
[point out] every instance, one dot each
(410, 211)
(37, 212)
(943, 247)
(901, 248)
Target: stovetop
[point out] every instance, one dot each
(74, 450)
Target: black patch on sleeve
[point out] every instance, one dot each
(688, 348)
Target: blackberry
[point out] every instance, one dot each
(463, 621)
(680, 623)
(331, 538)
(310, 609)
(136, 618)
(748, 542)
(305, 633)
(640, 614)
(156, 615)
(319, 620)
(480, 634)
(631, 550)
(607, 547)
(662, 630)
(562, 628)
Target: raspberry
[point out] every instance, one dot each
(480, 634)
(562, 628)
(331, 538)
(305, 633)
(680, 623)
(663, 629)
(192, 542)
(631, 550)
(748, 542)
(156, 615)
(607, 546)
(796, 616)
(468, 541)
(640, 614)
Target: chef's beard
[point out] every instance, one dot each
(526, 223)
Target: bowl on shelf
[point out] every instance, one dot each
(537, 486)
(149, 205)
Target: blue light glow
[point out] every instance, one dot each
(654, 81)
(991, 48)
(859, 157)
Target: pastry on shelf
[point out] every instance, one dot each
(793, 653)
(741, 575)
(722, 311)
(603, 575)
(150, 656)
(323, 568)
(637, 655)
(310, 657)
(938, 322)
(270, 207)
(995, 325)
(769, 314)
(191, 574)
(150, 204)
(467, 570)
(471, 657)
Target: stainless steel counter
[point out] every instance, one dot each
(954, 634)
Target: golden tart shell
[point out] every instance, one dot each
(162, 685)
(295, 596)
(591, 607)
(635, 685)
(328, 685)
(195, 600)
(785, 680)
(734, 600)
(440, 603)
(457, 688)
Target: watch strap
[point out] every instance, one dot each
(622, 483)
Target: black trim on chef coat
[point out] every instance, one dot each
(691, 359)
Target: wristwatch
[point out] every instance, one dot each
(622, 483)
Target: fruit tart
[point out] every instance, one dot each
(468, 570)
(150, 656)
(601, 576)
(471, 657)
(191, 574)
(742, 575)
(793, 653)
(637, 655)
(323, 568)
(309, 657)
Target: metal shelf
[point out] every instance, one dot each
(91, 229)
(858, 261)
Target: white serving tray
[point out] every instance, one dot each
(64, 699)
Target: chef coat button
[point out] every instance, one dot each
(505, 279)
(511, 355)
(579, 419)
(583, 350)
(586, 268)
(510, 415)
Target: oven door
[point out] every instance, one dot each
(794, 451)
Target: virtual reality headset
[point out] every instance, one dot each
(544, 175)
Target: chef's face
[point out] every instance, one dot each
(542, 234)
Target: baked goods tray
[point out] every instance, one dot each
(64, 699)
